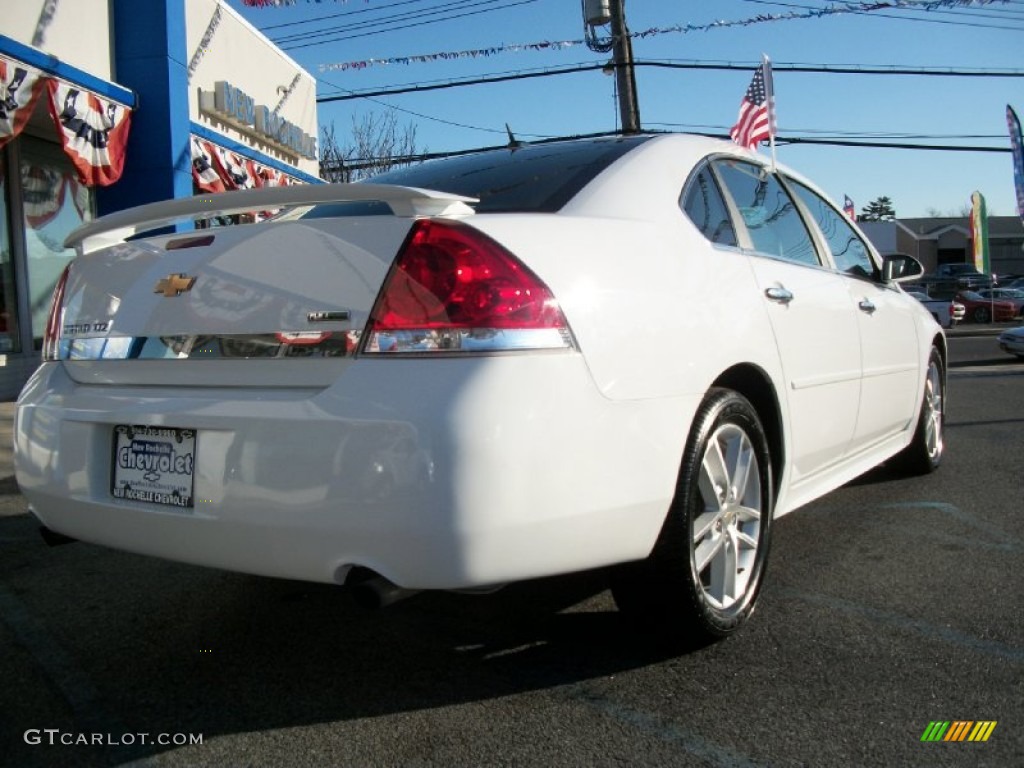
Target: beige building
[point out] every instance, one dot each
(948, 241)
(107, 104)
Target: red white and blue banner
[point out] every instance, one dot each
(20, 87)
(93, 130)
(215, 169)
(1017, 147)
(204, 175)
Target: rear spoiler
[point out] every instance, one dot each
(403, 201)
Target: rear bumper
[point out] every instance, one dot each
(439, 474)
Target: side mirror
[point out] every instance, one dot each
(901, 268)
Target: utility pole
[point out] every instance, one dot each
(598, 13)
(625, 77)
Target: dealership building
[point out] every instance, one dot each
(106, 104)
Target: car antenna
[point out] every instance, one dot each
(513, 142)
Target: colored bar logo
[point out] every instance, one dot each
(959, 730)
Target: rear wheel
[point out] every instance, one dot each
(702, 580)
(982, 315)
(924, 454)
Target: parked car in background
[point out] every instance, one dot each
(946, 312)
(962, 275)
(533, 385)
(1012, 341)
(1013, 295)
(982, 310)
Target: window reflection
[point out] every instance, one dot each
(706, 209)
(772, 220)
(9, 339)
(55, 203)
(849, 252)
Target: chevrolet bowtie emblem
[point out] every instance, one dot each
(174, 285)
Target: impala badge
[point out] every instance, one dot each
(174, 285)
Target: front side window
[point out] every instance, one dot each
(849, 252)
(55, 204)
(703, 203)
(769, 213)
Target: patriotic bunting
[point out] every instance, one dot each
(20, 87)
(94, 132)
(233, 169)
(204, 174)
(215, 169)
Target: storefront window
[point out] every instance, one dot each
(9, 340)
(55, 203)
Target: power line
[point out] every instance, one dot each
(809, 13)
(909, 8)
(843, 69)
(419, 22)
(385, 21)
(315, 19)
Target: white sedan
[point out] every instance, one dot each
(1012, 341)
(484, 369)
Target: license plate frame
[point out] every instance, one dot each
(154, 465)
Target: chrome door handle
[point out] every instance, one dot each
(779, 294)
(866, 305)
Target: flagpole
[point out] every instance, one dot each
(769, 84)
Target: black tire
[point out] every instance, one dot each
(982, 315)
(924, 453)
(671, 592)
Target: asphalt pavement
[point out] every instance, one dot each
(889, 605)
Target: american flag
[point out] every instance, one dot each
(756, 122)
(849, 208)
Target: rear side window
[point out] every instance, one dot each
(703, 203)
(769, 213)
(529, 178)
(849, 252)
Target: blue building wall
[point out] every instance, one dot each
(151, 58)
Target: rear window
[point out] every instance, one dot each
(530, 178)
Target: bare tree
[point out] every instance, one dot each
(377, 143)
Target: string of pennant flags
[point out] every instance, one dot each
(761, 18)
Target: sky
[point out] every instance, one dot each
(335, 40)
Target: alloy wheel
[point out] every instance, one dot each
(726, 533)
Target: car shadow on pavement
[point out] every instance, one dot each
(136, 645)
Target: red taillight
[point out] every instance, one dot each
(51, 336)
(452, 288)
